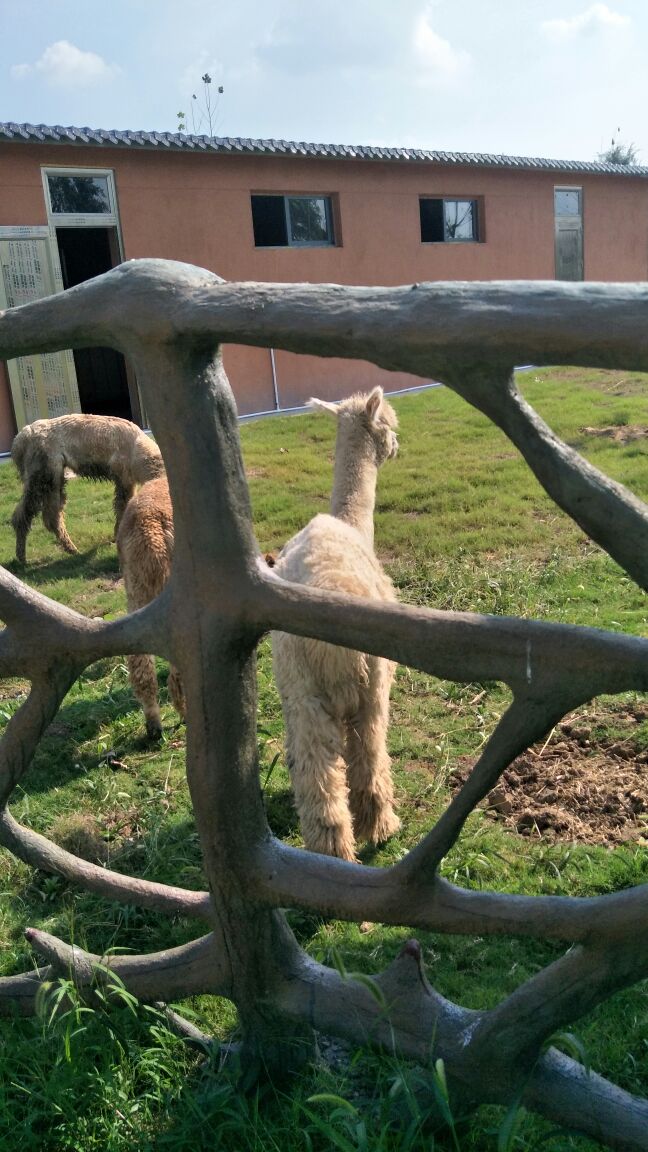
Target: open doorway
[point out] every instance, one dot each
(82, 213)
(102, 376)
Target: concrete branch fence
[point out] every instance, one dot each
(170, 319)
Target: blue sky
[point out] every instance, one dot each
(551, 78)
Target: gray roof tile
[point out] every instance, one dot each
(185, 142)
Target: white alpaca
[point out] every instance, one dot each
(335, 700)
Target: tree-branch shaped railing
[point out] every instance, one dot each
(170, 320)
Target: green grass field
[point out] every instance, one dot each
(460, 523)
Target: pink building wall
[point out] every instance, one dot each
(196, 207)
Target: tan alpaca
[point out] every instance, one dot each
(336, 701)
(99, 447)
(145, 547)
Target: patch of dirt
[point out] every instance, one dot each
(601, 379)
(568, 789)
(620, 433)
(123, 825)
(14, 691)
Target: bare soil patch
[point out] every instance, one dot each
(620, 433)
(603, 380)
(569, 789)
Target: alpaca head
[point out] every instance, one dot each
(366, 424)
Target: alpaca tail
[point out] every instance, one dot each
(19, 450)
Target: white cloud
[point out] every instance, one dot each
(594, 19)
(439, 62)
(66, 66)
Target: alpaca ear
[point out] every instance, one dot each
(323, 405)
(374, 401)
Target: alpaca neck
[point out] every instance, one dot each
(354, 493)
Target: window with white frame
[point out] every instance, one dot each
(80, 196)
(447, 220)
(293, 221)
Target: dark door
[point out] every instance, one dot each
(101, 372)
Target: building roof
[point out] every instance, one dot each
(228, 145)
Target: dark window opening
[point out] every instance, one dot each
(292, 221)
(101, 372)
(446, 221)
(269, 221)
(431, 221)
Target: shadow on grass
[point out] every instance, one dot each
(281, 814)
(210, 1110)
(59, 758)
(164, 853)
(91, 563)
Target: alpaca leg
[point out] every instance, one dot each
(144, 577)
(314, 743)
(143, 678)
(54, 520)
(176, 691)
(123, 493)
(26, 509)
(371, 792)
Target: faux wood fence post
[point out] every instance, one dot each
(171, 319)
